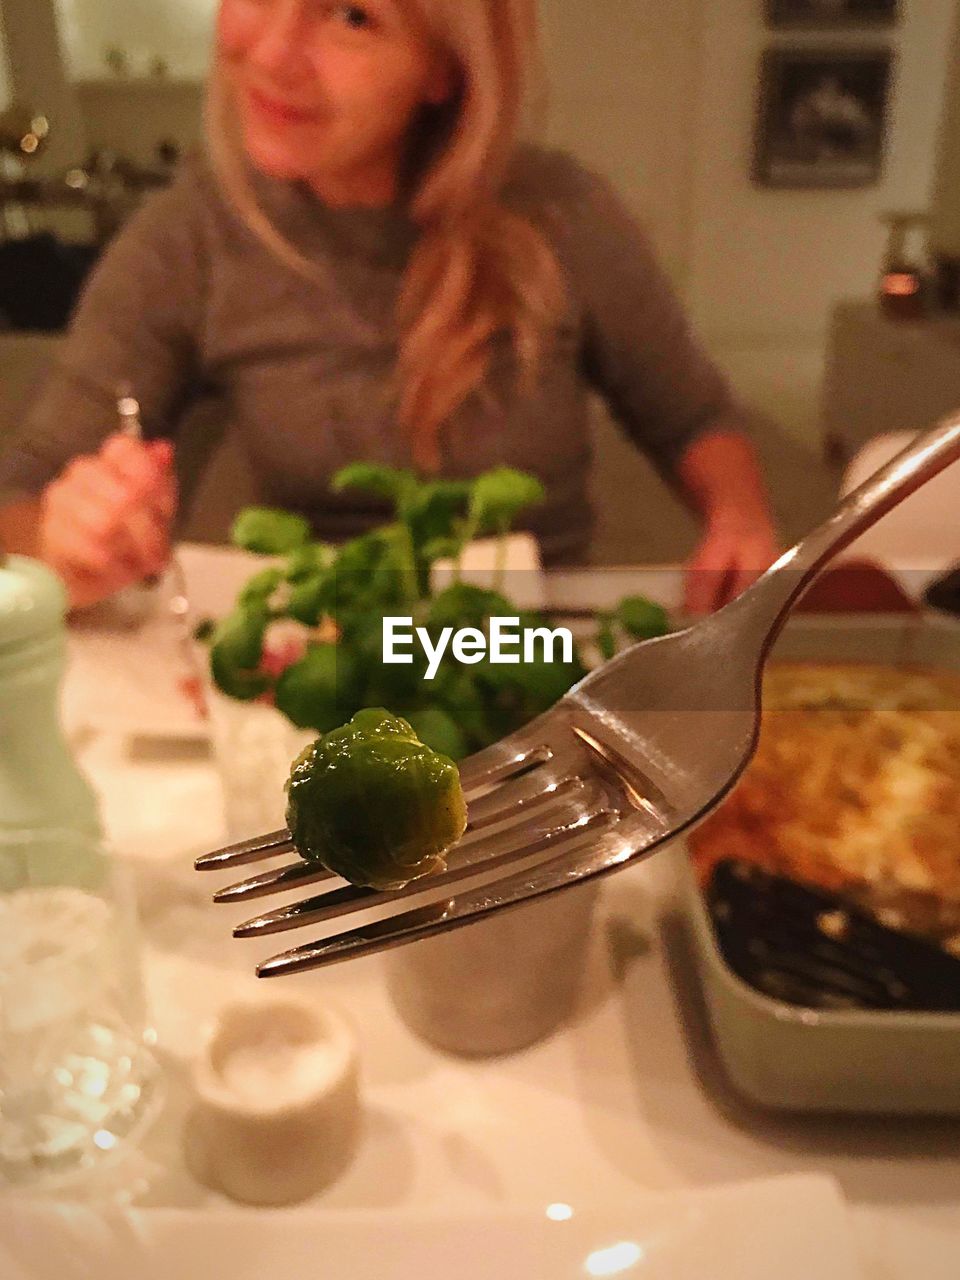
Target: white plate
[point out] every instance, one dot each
(791, 1228)
(131, 680)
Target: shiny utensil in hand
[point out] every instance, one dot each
(635, 754)
(178, 604)
(131, 424)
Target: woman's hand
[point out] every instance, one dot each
(721, 476)
(105, 521)
(735, 549)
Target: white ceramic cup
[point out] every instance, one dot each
(276, 1101)
(500, 984)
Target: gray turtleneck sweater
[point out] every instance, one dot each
(187, 299)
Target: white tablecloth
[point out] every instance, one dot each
(629, 1097)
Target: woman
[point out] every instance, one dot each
(369, 265)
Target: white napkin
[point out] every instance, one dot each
(791, 1228)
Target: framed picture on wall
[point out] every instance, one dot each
(822, 117)
(832, 13)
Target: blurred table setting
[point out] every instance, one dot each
(617, 1132)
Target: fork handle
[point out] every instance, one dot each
(779, 588)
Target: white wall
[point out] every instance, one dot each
(769, 264)
(622, 76)
(662, 97)
(177, 30)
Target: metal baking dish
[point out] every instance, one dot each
(790, 1058)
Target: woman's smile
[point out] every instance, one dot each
(278, 110)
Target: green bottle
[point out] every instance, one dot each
(41, 788)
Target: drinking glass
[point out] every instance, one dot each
(78, 1081)
(500, 984)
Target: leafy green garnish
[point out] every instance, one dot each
(439, 731)
(373, 477)
(465, 605)
(318, 692)
(387, 572)
(268, 531)
(308, 560)
(499, 496)
(236, 650)
(261, 587)
(635, 618)
(641, 619)
(311, 598)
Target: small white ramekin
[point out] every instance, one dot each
(276, 1101)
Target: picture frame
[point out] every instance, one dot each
(822, 117)
(816, 15)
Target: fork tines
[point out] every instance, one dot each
(569, 865)
(540, 815)
(254, 849)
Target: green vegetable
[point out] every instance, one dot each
(435, 508)
(641, 619)
(373, 477)
(606, 637)
(439, 731)
(374, 569)
(523, 690)
(387, 571)
(268, 531)
(308, 560)
(261, 587)
(464, 605)
(499, 496)
(311, 598)
(635, 618)
(462, 696)
(319, 690)
(400, 686)
(374, 804)
(442, 549)
(236, 650)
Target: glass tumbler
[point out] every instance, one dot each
(78, 1082)
(500, 984)
(254, 746)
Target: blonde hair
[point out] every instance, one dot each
(478, 268)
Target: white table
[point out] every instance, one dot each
(628, 1097)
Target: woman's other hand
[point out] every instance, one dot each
(721, 476)
(735, 549)
(105, 521)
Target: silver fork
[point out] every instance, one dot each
(178, 605)
(636, 753)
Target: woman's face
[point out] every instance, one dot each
(327, 92)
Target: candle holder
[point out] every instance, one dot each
(906, 275)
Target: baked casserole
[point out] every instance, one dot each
(855, 787)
